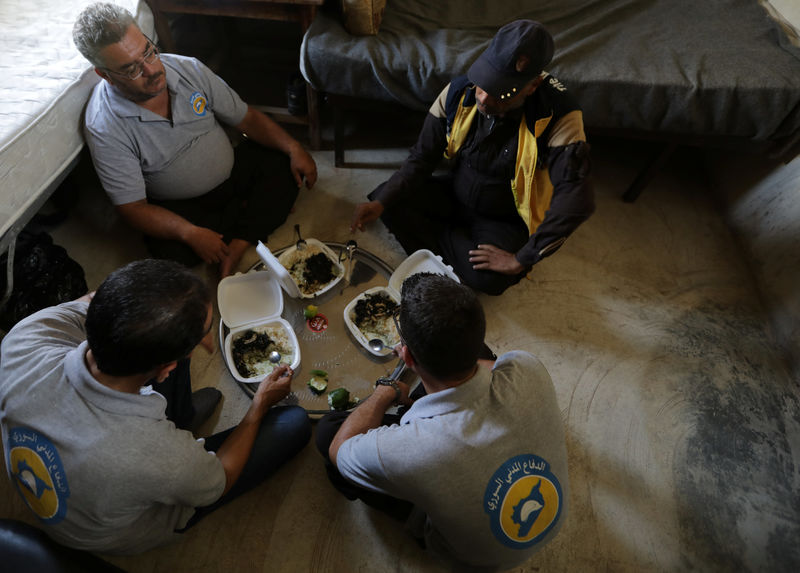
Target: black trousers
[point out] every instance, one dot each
(283, 433)
(431, 218)
(326, 430)
(177, 389)
(254, 201)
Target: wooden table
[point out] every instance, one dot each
(300, 11)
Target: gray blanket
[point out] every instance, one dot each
(693, 67)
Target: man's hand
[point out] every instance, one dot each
(303, 166)
(208, 244)
(404, 391)
(235, 450)
(368, 415)
(491, 258)
(274, 387)
(365, 213)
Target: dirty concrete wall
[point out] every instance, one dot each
(760, 199)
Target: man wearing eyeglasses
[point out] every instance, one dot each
(155, 131)
(477, 466)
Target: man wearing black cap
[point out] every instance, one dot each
(517, 183)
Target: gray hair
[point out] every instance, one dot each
(99, 25)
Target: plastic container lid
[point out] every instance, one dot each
(252, 300)
(249, 297)
(422, 261)
(280, 273)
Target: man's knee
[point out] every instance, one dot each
(294, 425)
(490, 282)
(327, 427)
(172, 251)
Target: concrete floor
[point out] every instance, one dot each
(683, 423)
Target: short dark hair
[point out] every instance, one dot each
(442, 323)
(146, 314)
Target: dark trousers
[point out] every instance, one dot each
(177, 389)
(431, 218)
(284, 431)
(254, 201)
(326, 430)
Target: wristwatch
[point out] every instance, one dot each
(384, 381)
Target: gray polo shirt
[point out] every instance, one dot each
(485, 464)
(103, 470)
(139, 154)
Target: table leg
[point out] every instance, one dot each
(314, 132)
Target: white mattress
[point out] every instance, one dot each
(44, 86)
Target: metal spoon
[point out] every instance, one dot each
(351, 249)
(300, 244)
(274, 357)
(376, 344)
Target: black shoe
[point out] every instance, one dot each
(204, 402)
(486, 353)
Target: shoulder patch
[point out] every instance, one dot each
(523, 500)
(38, 474)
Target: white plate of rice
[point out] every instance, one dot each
(247, 349)
(369, 327)
(295, 261)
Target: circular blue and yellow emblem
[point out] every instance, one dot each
(523, 500)
(199, 103)
(38, 474)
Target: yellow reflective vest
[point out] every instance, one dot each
(531, 187)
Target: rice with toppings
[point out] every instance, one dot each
(372, 315)
(250, 350)
(310, 268)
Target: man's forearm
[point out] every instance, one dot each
(368, 415)
(237, 447)
(263, 130)
(155, 221)
(422, 160)
(572, 204)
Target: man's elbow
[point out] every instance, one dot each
(574, 200)
(333, 450)
(139, 216)
(131, 212)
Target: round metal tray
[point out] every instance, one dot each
(334, 349)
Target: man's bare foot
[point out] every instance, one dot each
(236, 249)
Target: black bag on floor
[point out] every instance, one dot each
(44, 275)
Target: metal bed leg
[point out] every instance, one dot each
(12, 245)
(314, 130)
(338, 135)
(647, 174)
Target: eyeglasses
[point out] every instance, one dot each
(396, 319)
(135, 70)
